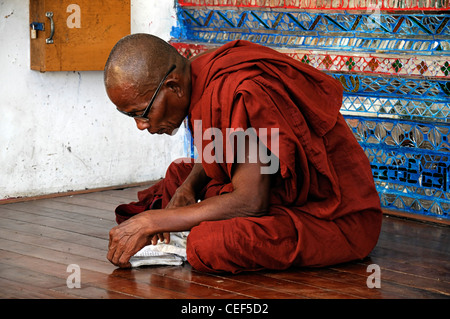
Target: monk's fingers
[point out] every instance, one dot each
(112, 245)
(120, 250)
(114, 252)
(124, 260)
(111, 237)
(110, 254)
(113, 255)
(166, 238)
(120, 257)
(161, 237)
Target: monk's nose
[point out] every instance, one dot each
(142, 125)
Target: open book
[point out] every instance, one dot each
(173, 253)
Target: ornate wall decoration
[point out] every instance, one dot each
(399, 5)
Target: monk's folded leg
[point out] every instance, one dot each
(242, 244)
(329, 242)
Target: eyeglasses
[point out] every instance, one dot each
(144, 115)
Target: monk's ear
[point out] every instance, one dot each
(175, 87)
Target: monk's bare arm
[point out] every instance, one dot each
(250, 197)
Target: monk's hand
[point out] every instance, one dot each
(126, 239)
(183, 196)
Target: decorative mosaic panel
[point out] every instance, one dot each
(418, 110)
(393, 61)
(326, 4)
(315, 22)
(410, 162)
(382, 64)
(332, 31)
(377, 86)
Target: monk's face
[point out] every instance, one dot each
(166, 114)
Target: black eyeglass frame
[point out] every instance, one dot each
(144, 115)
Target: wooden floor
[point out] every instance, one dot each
(40, 238)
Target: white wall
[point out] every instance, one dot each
(58, 130)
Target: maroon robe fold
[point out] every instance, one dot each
(324, 208)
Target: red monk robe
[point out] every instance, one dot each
(324, 208)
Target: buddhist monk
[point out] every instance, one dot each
(313, 203)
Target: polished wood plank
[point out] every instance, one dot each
(40, 238)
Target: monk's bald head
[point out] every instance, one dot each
(140, 61)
